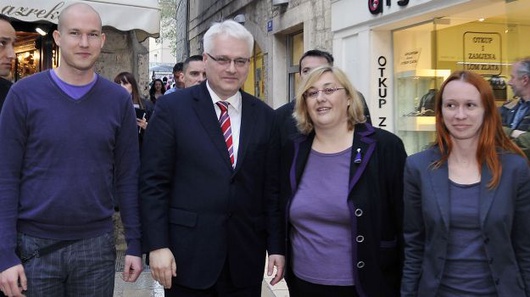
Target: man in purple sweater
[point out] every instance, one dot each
(68, 139)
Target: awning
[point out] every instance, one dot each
(124, 15)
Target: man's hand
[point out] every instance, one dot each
(163, 266)
(133, 268)
(279, 262)
(516, 133)
(13, 281)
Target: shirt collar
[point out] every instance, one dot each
(234, 100)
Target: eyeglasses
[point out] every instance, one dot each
(313, 94)
(225, 61)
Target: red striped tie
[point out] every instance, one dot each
(224, 120)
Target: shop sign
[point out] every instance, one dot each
(482, 52)
(382, 88)
(47, 14)
(376, 6)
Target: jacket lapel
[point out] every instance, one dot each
(486, 196)
(439, 180)
(248, 125)
(208, 118)
(363, 147)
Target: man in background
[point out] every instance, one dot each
(69, 139)
(7, 55)
(193, 71)
(177, 78)
(515, 114)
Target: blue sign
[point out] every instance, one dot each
(269, 25)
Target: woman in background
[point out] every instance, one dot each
(143, 107)
(467, 202)
(157, 89)
(342, 195)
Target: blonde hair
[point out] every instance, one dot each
(301, 114)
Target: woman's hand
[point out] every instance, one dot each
(142, 123)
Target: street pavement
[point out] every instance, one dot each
(145, 286)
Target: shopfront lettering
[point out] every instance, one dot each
(481, 56)
(41, 13)
(483, 67)
(482, 39)
(382, 87)
(376, 6)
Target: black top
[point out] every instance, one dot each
(4, 88)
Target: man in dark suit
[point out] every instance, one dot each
(206, 216)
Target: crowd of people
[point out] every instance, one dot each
(209, 180)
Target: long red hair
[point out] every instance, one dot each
(492, 138)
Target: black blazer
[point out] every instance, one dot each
(375, 202)
(504, 222)
(194, 203)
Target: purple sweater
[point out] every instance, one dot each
(60, 160)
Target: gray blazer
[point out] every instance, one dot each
(504, 217)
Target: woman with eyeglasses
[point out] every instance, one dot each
(341, 194)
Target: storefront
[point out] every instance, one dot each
(397, 53)
(126, 24)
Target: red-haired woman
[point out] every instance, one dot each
(467, 201)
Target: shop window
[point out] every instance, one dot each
(486, 40)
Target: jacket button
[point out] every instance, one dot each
(358, 212)
(487, 240)
(360, 264)
(359, 238)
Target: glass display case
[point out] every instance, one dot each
(415, 93)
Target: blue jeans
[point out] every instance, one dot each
(84, 268)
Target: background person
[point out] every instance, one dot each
(7, 55)
(467, 200)
(59, 168)
(157, 90)
(342, 195)
(127, 81)
(193, 71)
(207, 221)
(177, 78)
(515, 115)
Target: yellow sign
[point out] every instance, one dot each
(482, 52)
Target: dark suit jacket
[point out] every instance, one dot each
(374, 201)
(504, 219)
(193, 202)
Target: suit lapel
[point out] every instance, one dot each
(439, 179)
(248, 124)
(203, 106)
(486, 196)
(364, 146)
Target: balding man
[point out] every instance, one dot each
(69, 139)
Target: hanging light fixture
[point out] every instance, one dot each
(41, 31)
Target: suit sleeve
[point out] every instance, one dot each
(521, 223)
(157, 167)
(413, 229)
(275, 221)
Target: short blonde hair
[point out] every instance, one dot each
(301, 114)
